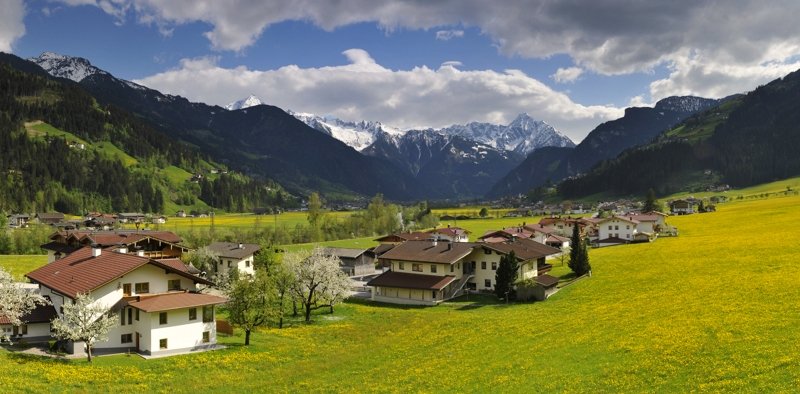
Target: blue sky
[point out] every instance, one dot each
(360, 59)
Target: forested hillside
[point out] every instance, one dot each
(125, 165)
(748, 140)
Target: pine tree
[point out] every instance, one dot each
(578, 255)
(650, 203)
(506, 276)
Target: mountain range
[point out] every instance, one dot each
(345, 160)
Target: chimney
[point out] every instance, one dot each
(241, 246)
(140, 253)
(434, 240)
(122, 248)
(96, 251)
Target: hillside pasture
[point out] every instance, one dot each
(712, 310)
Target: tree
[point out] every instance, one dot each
(203, 259)
(250, 303)
(506, 276)
(85, 321)
(283, 282)
(578, 255)
(317, 276)
(650, 202)
(484, 212)
(15, 301)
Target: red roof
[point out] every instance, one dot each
(425, 251)
(170, 301)
(411, 281)
(524, 249)
(127, 237)
(80, 272)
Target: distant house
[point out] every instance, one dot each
(682, 207)
(153, 244)
(399, 238)
(158, 309)
(180, 214)
(131, 217)
(354, 262)
(50, 217)
(429, 272)
(35, 325)
(18, 220)
(159, 219)
(234, 255)
(452, 234)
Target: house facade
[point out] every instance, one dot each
(682, 207)
(429, 272)
(354, 262)
(157, 305)
(233, 255)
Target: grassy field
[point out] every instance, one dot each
(21, 265)
(712, 310)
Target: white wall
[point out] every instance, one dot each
(616, 228)
(180, 332)
(441, 269)
(34, 330)
(244, 265)
(478, 255)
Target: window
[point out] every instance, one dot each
(609, 227)
(174, 284)
(401, 267)
(208, 314)
(126, 289)
(452, 268)
(433, 268)
(162, 343)
(130, 315)
(627, 235)
(247, 263)
(193, 314)
(416, 267)
(487, 251)
(229, 263)
(137, 315)
(433, 295)
(126, 338)
(628, 227)
(487, 283)
(206, 336)
(122, 317)
(494, 266)
(162, 318)
(483, 265)
(142, 287)
(616, 227)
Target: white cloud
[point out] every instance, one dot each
(567, 75)
(738, 42)
(446, 35)
(12, 25)
(364, 89)
(452, 63)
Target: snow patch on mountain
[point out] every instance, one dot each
(74, 68)
(250, 101)
(522, 136)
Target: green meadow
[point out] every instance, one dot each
(712, 310)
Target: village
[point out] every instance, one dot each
(164, 304)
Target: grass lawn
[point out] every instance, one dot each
(712, 310)
(19, 265)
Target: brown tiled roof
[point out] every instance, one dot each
(80, 272)
(345, 252)
(170, 301)
(556, 238)
(623, 218)
(415, 236)
(524, 249)
(58, 247)
(114, 237)
(50, 215)
(232, 249)
(40, 314)
(547, 280)
(644, 217)
(451, 231)
(411, 281)
(178, 264)
(424, 251)
(382, 248)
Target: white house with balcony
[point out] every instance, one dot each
(158, 308)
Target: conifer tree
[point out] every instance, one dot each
(578, 255)
(506, 276)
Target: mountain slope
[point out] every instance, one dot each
(63, 151)
(260, 141)
(748, 140)
(636, 127)
(523, 135)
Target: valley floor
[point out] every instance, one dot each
(712, 310)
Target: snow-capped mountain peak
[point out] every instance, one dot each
(74, 68)
(250, 101)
